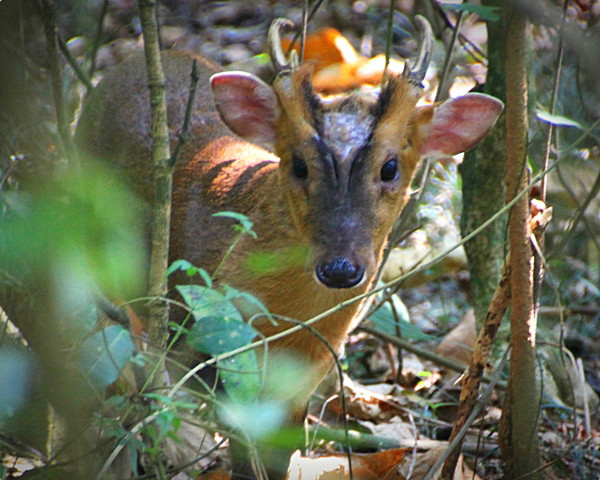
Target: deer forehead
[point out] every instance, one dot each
(346, 132)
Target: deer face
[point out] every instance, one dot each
(347, 162)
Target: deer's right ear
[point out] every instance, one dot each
(247, 105)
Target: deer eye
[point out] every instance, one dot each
(389, 170)
(299, 168)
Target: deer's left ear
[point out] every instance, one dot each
(247, 105)
(457, 125)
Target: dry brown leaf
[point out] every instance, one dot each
(364, 404)
(219, 474)
(459, 342)
(393, 428)
(425, 462)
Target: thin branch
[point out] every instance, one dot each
(481, 402)
(304, 28)
(83, 78)
(340, 373)
(388, 40)
(553, 97)
(475, 51)
(97, 37)
(62, 124)
(313, 10)
(479, 361)
(188, 113)
(579, 216)
(458, 367)
(441, 91)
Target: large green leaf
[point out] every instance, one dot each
(384, 320)
(217, 334)
(240, 376)
(490, 13)
(105, 354)
(206, 302)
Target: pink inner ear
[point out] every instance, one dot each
(459, 124)
(247, 105)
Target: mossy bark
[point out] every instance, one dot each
(483, 171)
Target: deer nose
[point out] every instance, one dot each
(340, 273)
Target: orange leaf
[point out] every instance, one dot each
(218, 474)
(375, 466)
(325, 47)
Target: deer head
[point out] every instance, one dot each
(347, 161)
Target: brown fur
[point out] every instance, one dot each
(341, 209)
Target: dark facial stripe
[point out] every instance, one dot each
(327, 155)
(313, 104)
(383, 102)
(359, 159)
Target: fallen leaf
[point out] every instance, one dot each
(325, 47)
(219, 474)
(459, 342)
(375, 466)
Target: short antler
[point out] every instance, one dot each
(416, 71)
(280, 63)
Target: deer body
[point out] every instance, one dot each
(322, 203)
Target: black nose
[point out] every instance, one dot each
(340, 273)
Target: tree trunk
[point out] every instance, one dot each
(483, 171)
(157, 282)
(520, 444)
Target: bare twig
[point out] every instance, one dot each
(188, 113)
(97, 37)
(64, 133)
(579, 216)
(313, 10)
(442, 91)
(469, 421)
(83, 78)
(388, 40)
(479, 361)
(423, 353)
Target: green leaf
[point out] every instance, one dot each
(485, 13)
(384, 320)
(240, 376)
(248, 303)
(557, 120)
(190, 270)
(215, 335)
(105, 354)
(245, 222)
(206, 302)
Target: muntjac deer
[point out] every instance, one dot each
(323, 179)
